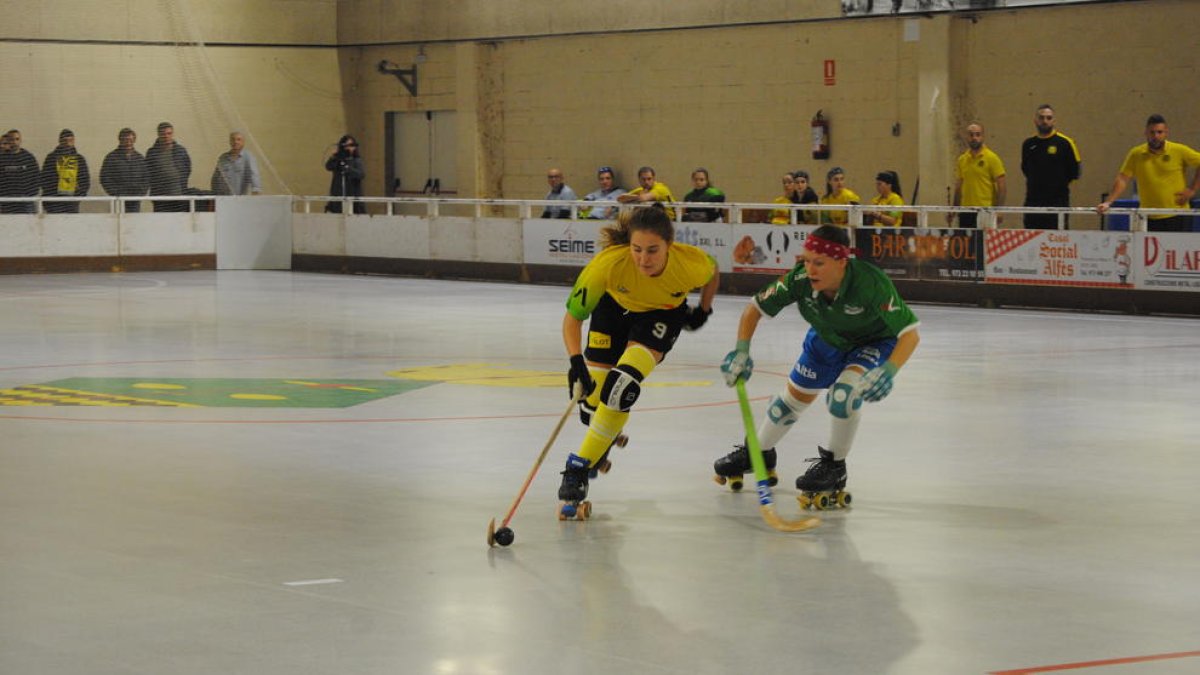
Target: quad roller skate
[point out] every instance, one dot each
(573, 493)
(604, 464)
(731, 467)
(823, 485)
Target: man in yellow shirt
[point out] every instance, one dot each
(1160, 168)
(649, 190)
(979, 178)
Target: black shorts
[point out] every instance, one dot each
(612, 328)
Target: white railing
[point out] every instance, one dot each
(731, 212)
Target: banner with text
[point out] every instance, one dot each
(1169, 261)
(1089, 259)
(931, 254)
(575, 242)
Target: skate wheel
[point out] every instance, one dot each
(772, 479)
(843, 499)
(584, 511)
(567, 511)
(604, 467)
(805, 501)
(821, 501)
(720, 480)
(735, 484)
(621, 441)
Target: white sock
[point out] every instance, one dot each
(781, 415)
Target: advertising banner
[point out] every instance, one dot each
(1168, 261)
(714, 238)
(1089, 259)
(768, 249)
(561, 242)
(931, 254)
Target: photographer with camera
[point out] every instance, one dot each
(347, 167)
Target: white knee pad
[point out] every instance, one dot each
(843, 398)
(781, 415)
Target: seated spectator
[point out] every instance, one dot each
(837, 193)
(806, 195)
(887, 185)
(703, 191)
(783, 216)
(607, 192)
(559, 191)
(795, 191)
(649, 190)
(65, 174)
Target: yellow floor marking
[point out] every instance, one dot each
(499, 375)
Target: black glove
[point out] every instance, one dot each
(696, 317)
(578, 372)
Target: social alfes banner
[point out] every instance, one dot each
(1086, 259)
(932, 254)
(768, 249)
(1169, 261)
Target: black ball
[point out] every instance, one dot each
(505, 536)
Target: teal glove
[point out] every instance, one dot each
(877, 384)
(738, 364)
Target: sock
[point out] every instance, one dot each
(781, 415)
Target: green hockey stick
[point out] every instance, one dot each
(765, 499)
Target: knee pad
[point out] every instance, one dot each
(779, 412)
(586, 410)
(843, 398)
(622, 387)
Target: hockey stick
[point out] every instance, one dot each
(504, 536)
(765, 499)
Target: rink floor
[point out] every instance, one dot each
(1027, 498)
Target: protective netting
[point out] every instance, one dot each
(147, 115)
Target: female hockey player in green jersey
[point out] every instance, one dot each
(861, 333)
(635, 292)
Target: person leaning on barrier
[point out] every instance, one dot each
(649, 190)
(123, 173)
(887, 188)
(168, 168)
(1050, 162)
(1160, 168)
(559, 191)
(608, 191)
(65, 174)
(836, 192)
(236, 172)
(703, 191)
(18, 174)
(979, 178)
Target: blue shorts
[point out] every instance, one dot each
(820, 363)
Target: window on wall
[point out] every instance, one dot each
(421, 151)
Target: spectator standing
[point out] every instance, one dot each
(1160, 168)
(608, 191)
(704, 192)
(236, 172)
(123, 173)
(649, 190)
(346, 164)
(887, 188)
(18, 175)
(1050, 162)
(979, 178)
(65, 174)
(559, 191)
(836, 192)
(168, 167)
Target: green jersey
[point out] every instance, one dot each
(867, 307)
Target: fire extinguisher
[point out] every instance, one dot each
(820, 136)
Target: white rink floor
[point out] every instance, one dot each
(1026, 498)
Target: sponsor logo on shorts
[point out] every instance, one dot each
(599, 340)
(806, 372)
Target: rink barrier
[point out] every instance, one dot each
(1103, 270)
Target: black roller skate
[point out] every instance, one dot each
(573, 491)
(823, 485)
(731, 467)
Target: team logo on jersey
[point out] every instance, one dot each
(677, 295)
(890, 306)
(770, 290)
(1053, 150)
(853, 310)
(622, 289)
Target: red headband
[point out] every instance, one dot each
(830, 248)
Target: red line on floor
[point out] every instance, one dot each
(1097, 664)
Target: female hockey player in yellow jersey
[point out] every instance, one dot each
(635, 293)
